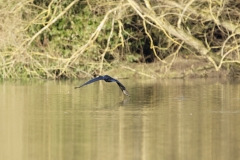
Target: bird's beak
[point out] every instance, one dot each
(126, 92)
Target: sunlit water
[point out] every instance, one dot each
(163, 119)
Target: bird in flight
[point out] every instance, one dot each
(106, 78)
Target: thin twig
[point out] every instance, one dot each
(141, 73)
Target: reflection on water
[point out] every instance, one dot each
(167, 119)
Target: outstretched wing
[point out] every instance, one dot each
(91, 81)
(122, 88)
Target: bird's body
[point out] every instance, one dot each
(106, 78)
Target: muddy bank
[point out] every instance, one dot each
(182, 67)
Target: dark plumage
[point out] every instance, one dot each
(106, 78)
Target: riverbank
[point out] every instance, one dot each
(182, 67)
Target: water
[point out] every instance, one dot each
(163, 119)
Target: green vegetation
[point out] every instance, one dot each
(73, 38)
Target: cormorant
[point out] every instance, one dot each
(106, 78)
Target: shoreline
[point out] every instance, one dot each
(181, 68)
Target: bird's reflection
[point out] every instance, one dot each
(124, 102)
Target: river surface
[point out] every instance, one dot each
(161, 120)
